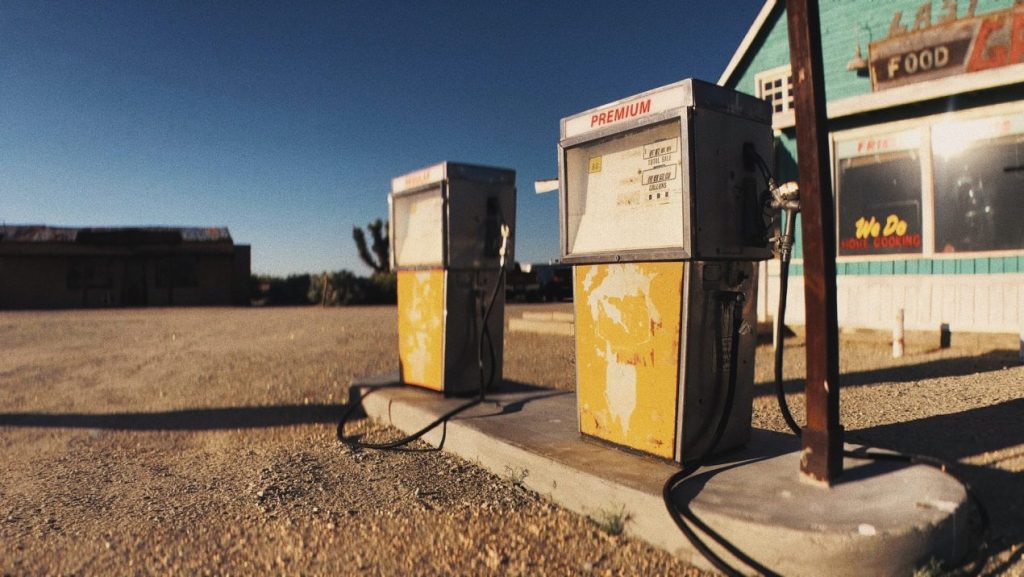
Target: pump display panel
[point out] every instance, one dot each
(626, 191)
(667, 174)
(419, 227)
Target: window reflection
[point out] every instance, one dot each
(979, 184)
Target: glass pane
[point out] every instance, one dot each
(979, 184)
(419, 229)
(625, 192)
(879, 195)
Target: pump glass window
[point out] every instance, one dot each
(979, 184)
(625, 192)
(879, 194)
(419, 228)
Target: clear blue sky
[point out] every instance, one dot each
(285, 121)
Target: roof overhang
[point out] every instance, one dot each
(748, 40)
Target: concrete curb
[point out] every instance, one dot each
(883, 519)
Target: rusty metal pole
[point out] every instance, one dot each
(822, 458)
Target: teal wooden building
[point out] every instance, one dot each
(926, 121)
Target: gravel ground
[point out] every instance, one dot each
(201, 441)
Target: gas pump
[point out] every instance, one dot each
(661, 214)
(450, 236)
(665, 204)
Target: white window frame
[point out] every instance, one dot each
(782, 75)
(924, 124)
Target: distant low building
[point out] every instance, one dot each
(43, 267)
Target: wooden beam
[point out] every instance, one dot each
(822, 458)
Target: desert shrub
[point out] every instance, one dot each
(277, 291)
(343, 288)
(383, 289)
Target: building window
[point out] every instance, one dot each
(878, 187)
(979, 176)
(90, 273)
(776, 86)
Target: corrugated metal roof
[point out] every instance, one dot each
(113, 235)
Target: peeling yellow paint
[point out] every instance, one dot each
(420, 327)
(627, 353)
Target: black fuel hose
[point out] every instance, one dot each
(780, 335)
(682, 516)
(485, 386)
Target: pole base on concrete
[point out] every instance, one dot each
(879, 519)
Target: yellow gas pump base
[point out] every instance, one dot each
(439, 329)
(627, 353)
(420, 328)
(654, 353)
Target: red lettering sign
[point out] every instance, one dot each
(873, 145)
(993, 47)
(620, 113)
(893, 234)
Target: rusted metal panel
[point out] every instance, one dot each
(208, 234)
(37, 233)
(113, 235)
(823, 436)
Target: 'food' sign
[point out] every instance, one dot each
(951, 46)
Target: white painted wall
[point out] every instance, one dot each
(976, 303)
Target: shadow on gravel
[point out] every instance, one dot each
(231, 417)
(183, 420)
(995, 360)
(507, 408)
(507, 396)
(965, 434)
(956, 435)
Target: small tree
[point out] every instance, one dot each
(377, 255)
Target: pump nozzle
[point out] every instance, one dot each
(785, 198)
(505, 232)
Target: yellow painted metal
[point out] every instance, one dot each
(627, 353)
(421, 327)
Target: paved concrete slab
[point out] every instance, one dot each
(882, 519)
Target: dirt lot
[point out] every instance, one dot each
(201, 441)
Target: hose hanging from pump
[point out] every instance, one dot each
(485, 383)
(784, 198)
(683, 517)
